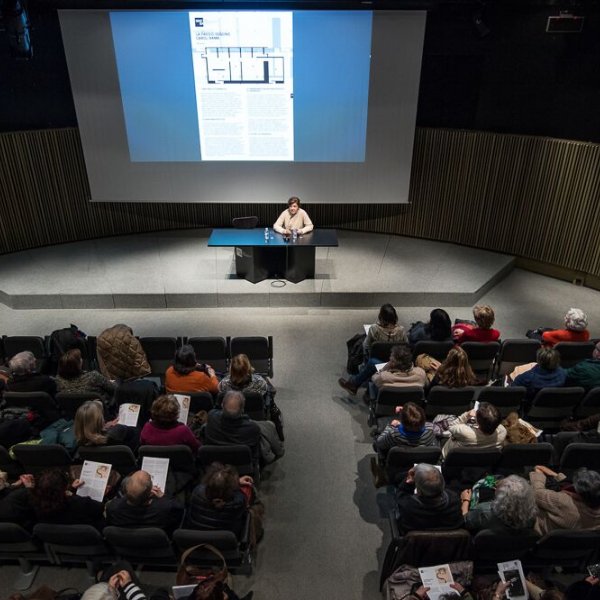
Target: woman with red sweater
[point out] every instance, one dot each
(482, 331)
(576, 323)
(164, 428)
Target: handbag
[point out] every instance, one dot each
(208, 579)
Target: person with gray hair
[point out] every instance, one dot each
(573, 507)
(25, 378)
(144, 505)
(432, 506)
(512, 511)
(118, 586)
(229, 425)
(575, 330)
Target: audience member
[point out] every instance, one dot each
(586, 589)
(479, 428)
(481, 331)
(230, 425)
(242, 378)
(575, 330)
(120, 354)
(546, 373)
(574, 507)
(438, 329)
(399, 371)
(411, 430)
(144, 505)
(587, 372)
(53, 501)
(455, 371)
(432, 506)
(221, 500)
(118, 586)
(186, 375)
(512, 511)
(72, 378)
(385, 330)
(164, 429)
(25, 378)
(91, 430)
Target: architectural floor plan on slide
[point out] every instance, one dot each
(244, 84)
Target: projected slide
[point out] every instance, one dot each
(244, 84)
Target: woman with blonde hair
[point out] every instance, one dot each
(242, 378)
(91, 430)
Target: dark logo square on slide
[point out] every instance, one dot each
(199, 21)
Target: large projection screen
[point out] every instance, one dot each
(246, 106)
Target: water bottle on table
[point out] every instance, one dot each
(294, 235)
(266, 235)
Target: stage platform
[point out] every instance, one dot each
(176, 269)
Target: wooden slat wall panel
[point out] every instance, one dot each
(537, 198)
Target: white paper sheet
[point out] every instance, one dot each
(438, 579)
(129, 414)
(95, 478)
(158, 469)
(184, 407)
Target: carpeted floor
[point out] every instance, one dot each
(325, 537)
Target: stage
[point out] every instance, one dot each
(176, 269)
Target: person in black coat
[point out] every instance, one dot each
(231, 426)
(221, 501)
(432, 507)
(144, 505)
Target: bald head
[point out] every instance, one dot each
(138, 488)
(233, 403)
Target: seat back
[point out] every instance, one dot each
(141, 545)
(211, 350)
(69, 402)
(573, 352)
(244, 222)
(255, 406)
(16, 541)
(36, 458)
(567, 548)
(590, 405)
(515, 352)
(238, 455)
(489, 548)
(381, 350)
(482, 356)
(160, 352)
(551, 405)
(13, 344)
(236, 553)
(200, 401)
(439, 350)
(39, 402)
(448, 401)
(505, 399)
(389, 396)
(121, 458)
(181, 457)
(12, 467)
(72, 543)
(516, 458)
(400, 459)
(470, 464)
(258, 349)
(579, 455)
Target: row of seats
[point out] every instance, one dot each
(548, 408)
(216, 351)
(66, 545)
(569, 549)
(494, 359)
(513, 459)
(184, 465)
